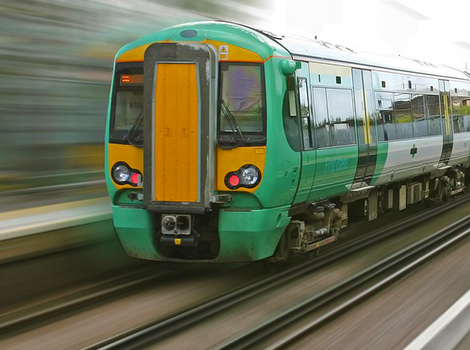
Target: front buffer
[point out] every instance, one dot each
(243, 235)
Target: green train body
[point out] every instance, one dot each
(227, 144)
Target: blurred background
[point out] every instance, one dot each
(56, 60)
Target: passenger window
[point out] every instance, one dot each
(386, 127)
(460, 114)
(433, 114)
(420, 122)
(341, 117)
(322, 125)
(305, 113)
(334, 117)
(402, 115)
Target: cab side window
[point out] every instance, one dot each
(305, 113)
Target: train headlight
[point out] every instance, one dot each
(122, 174)
(248, 176)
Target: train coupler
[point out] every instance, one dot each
(178, 241)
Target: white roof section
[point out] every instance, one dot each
(320, 50)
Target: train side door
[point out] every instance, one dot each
(447, 127)
(308, 154)
(334, 129)
(367, 142)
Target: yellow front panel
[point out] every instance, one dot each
(176, 114)
(229, 160)
(131, 155)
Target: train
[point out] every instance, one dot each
(225, 143)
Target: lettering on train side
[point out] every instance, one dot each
(333, 165)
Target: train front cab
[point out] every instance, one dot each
(195, 189)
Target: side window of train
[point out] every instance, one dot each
(289, 115)
(433, 114)
(305, 113)
(402, 115)
(322, 125)
(334, 117)
(341, 116)
(420, 123)
(385, 123)
(461, 114)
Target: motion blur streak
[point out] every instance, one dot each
(55, 67)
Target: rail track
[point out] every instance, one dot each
(391, 267)
(353, 290)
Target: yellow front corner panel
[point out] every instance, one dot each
(229, 52)
(229, 160)
(133, 156)
(136, 54)
(176, 133)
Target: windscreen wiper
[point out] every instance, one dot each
(134, 131)
(232, 123)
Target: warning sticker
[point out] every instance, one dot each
(223, 52)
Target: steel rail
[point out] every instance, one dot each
(160, 330)
(392, 268)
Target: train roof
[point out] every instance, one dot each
(266, 44)
(320, 50)
(302, 47)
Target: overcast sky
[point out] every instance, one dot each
(429, 30)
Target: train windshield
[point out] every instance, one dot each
(127, 111)
(242, 104)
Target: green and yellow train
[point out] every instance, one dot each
(225, 143)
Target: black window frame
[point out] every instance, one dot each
(123, 68)
(230, 139)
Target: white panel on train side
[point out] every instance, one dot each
(401, 164)
(460, 148)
